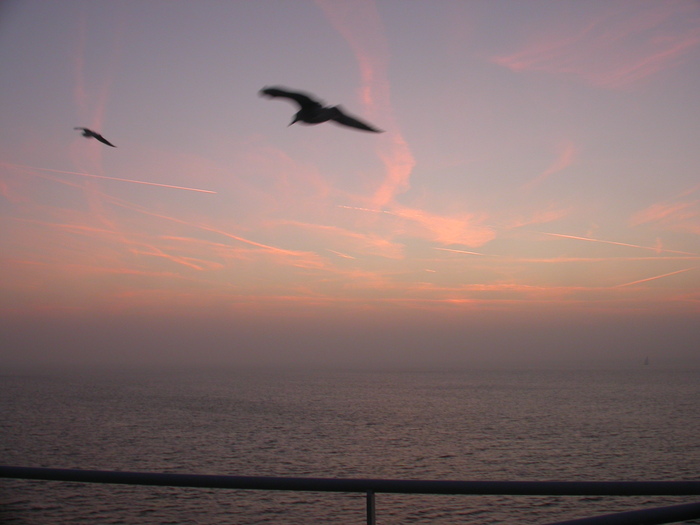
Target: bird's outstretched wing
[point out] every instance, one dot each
(89, 133)
(346, 120)
(305, 101)
(103, 140)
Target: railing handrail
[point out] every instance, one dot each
(655, 516)
(396, 486)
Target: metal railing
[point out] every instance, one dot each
(370, 487)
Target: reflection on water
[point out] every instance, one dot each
(481, 425)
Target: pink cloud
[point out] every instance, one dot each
(399, 164)
(360, 24)
(358, 242)
(466, 229)
(92, 102)
(565, 158)
(616, 49)
(119, 238)
(676, 216)
(273, 167)
(361, 27)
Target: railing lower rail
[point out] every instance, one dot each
(372, 486)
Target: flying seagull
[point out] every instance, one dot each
(313, 112)
(91, 134)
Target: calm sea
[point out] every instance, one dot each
(637, 424)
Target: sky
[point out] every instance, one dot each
(534, 199)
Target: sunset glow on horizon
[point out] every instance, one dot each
(536, 182)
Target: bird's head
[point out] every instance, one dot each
(296, 119)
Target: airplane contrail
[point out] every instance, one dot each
(655, 277)
(113, 178)
(339, 254)
(461, 251)
(366, 209)
(614, 242)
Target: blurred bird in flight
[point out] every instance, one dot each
(313, 112)
(91, 134)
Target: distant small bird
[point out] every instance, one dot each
(313, 112)
(91, 134)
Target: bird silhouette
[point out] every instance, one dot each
(91, 134)
(313, 112)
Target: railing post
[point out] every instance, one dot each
(371, 514)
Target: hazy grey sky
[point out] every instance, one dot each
(535, 198)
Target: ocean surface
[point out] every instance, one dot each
(518, 425)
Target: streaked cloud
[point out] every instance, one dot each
(362, 28)
(627, 43)
(359, 242)
(565, 158)
(677, 214)
(467, 229)
(516, 198)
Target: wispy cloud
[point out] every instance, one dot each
(361, 26)
(675, 214)
(92, 88)
(466, 229)
(135, 240)
(565, 158)
(616, 48)
(360, 242)
(399, 163)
